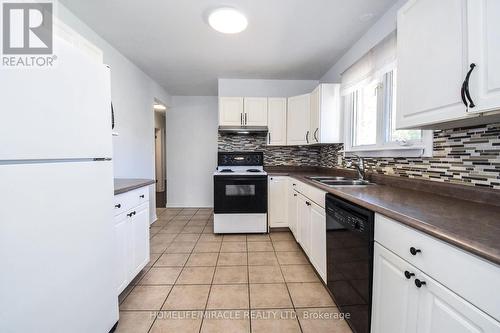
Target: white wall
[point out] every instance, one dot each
(191, 150)
(381, 29)
(265, 88)
(133, 94)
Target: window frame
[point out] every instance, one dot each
(383, 147)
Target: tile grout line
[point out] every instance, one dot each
(173, 285)
(248, 288)
(287, 289)
(209, 291)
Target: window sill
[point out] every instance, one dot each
(399, 151)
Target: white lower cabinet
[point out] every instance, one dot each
(307, 221)
(408, 299)
(318, 239)
(124, 252)
(292, 210)
(131, 235)
(394, 306)
(304, 224)
(278, 202)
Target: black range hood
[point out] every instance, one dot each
(243, 130)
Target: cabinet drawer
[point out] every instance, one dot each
(122, 203)
(126, 201)
(316, 195)
(471, 277)
(141, 195)
(310, 192)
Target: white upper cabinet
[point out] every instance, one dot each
(298, 120)
(448, 62)
(432, 62)
(326, 114)
(242, 111)
(255, 111)
(230, 111)
(484, 52)
(276, 121)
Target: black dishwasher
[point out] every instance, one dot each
(349, 257)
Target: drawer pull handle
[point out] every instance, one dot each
(308, 203)
(414, 251)
(419, 283)
(408, 275)
(295, 194)
(294, 184)
(141, 196)
(131, 214)
(118, 206)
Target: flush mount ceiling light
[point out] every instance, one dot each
(159, 107)
(227, 20)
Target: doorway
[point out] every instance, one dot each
(160, 155)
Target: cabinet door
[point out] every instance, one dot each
(292, 211)
(276, 121)
(297, 131)
(304, 223)
(394, 303)
(441, 310)
(318, 240)
(140, 232)
(230, 111)
(255, 111)
(278, 190)
(123, 251)
(484, 51)
(432, 62)
(314, 126)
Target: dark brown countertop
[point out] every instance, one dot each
(471, 226)
(123, 185)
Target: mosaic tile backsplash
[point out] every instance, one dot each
(467, 156)
(273, 156)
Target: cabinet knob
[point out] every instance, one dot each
(295, 194)
(419, 283)
(118, 206)
(408, 275)
(414, 251)
(294, 184)
(308, 203)
(141, 196)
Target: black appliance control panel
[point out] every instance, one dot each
(240, 158)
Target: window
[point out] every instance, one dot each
(369, 96)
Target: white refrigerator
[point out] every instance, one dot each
(57, 267)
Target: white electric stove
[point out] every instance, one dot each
(240, 193)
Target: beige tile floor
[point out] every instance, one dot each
(197, 282)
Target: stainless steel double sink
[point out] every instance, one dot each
(339, 181)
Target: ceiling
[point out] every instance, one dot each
(285, 39)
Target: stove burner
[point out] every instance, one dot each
(253, 170)
(226, 170)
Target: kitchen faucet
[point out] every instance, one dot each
(360, 167)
